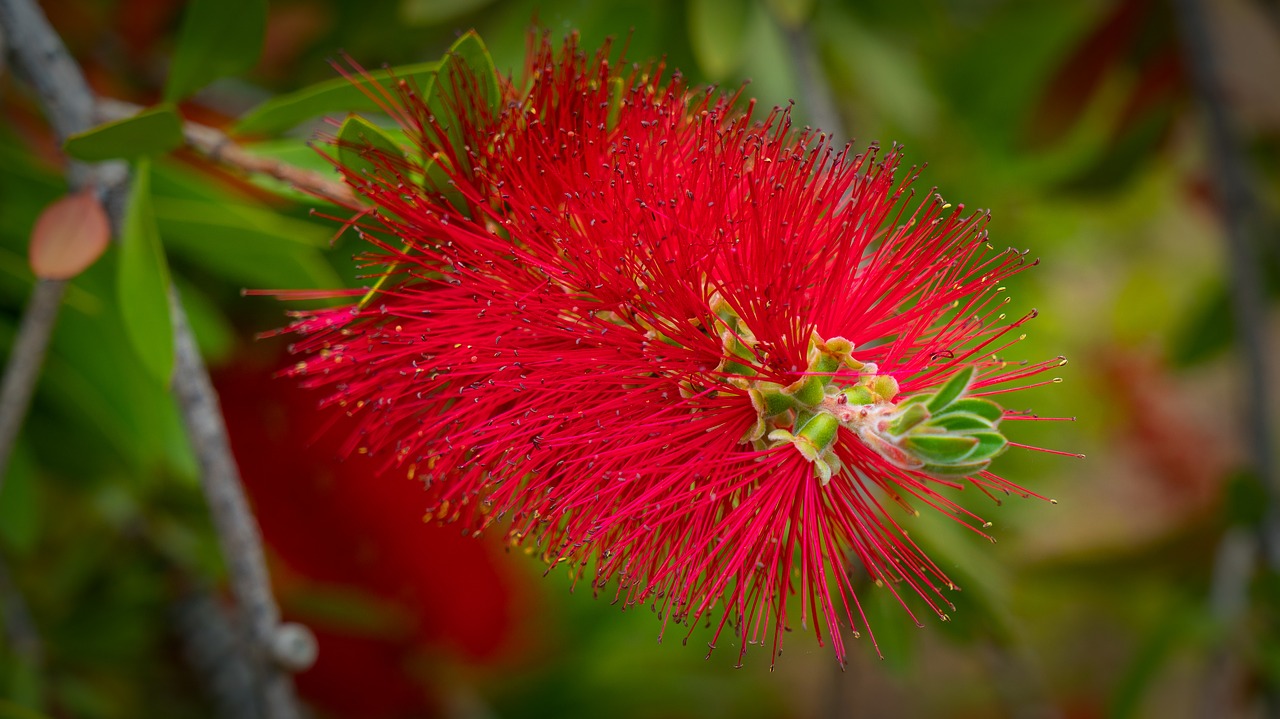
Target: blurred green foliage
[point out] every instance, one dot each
(1072, 121)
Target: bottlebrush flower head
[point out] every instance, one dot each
(693, 351)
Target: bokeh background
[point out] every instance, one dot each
(1078, 125)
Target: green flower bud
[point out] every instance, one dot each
(884, 386)
(808, 391)
(769, 400)
(858, 394)
(822, 430)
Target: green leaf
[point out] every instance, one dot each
(247, 222)
(334, 96)
(142, 280)
(984, 408)
(909, 414)
(23, 693)
(215, 337)
(470, 54)
(153, 131)
(952, 390)
(1182, 626)
(437, 12)
(218, 38)
(879, 72)
(245, 244)
(716, 32)
(955, 470)
(1130, 152)
(19, 504)
(958, 421)
(892, 630)
(467, 65)
(792, 13)
(983, 610)
(616, 88)
(363, 148)
(990, 444)
(1246, 501)
(939, 448)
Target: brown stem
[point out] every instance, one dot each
(217, 147)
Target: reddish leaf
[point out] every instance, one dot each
(1161, 83)
(1071, 87)
(69, 236)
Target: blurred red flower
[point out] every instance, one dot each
(383, 591)
(655, 336)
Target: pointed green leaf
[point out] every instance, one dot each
(23, 691)
(364, 149)
(465, 69)
(219, 38)
(958, 421)
(142, 280)
(952, 390)
(20, 509)
(245, 244)
(964, 469)
(150, 132)
(909, 415)
(338, 95)
(939, 448)
(990, 444)
(470, 52)
(616, 88)
(984, 408)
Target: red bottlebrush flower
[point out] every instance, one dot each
(692, 351)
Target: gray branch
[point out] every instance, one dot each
(39, 58)
(1247, 297)
(237, 531)
(25, 361)
(814, 88)
(43, 61)
(1234, 566)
